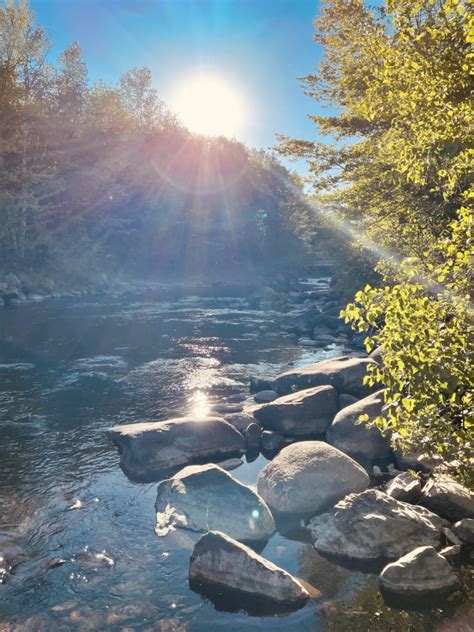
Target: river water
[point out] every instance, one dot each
(78, 535)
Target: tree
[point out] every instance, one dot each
(397, 175)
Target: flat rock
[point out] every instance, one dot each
(308, 477)
(356, 438)
(421, 572)
(303, 413)
(445, 496)
(263, 397)
(206, 497)
(220, 560)
(344, 373)
(151, 447)
(373, 525)
(464, 530)
(404, 487)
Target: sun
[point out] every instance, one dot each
(208, 104)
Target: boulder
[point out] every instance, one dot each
(252, 437)
(260, 384)
(303, 413)
(151, 447)
(422, 572)
(345, 399)
(356, 438)
(13, 280)
(308, 477)
(373, 525)
(344, 373)
(221, 561)
(464, 530)
(416, 460)
(307, 342)
(271, 441)
(240, 421)
(206, 497)
(404, 487)
(376, 355)
(445, 496)
(263, 397)
(303, 322)
(323, 340)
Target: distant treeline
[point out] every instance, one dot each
(99, 178)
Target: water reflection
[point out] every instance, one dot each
(199, 405)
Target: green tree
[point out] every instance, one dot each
(396, 175)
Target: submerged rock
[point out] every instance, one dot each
(355, 438)
(421, 572)
(205, 498)
(446, 496)
(148, 448)
(308, 477)
(306, 412)
(344, 373)
(374, 525)
(221, 561)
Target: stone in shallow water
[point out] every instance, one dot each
(150, 448)
(304, 413)
(206, 497)
(344, 373)
(444, 495)
(309, 476)
(262, 397)
(421, 572)
(355, 438)
(374, 525)
(220, 560)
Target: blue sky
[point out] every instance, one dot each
(261, 46)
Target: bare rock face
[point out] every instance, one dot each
(205, 498)
(444, 495)
(345, 374)
(421, 572)
(306, 412)
(219, 560)
(355, 438)
(373, 525)
(148, 448)
(308, 477)
(404, 487)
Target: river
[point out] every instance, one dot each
(78, 534)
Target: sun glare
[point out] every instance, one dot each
(209, 105)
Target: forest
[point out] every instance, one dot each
(98, 179)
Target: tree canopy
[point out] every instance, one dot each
(395, 172)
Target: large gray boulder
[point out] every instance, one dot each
(148, 448)
(344, 373)
(308, 477)
(445, 496)
(374, 525)
(356, 438)
(221, 561)
(205, 498)
(306, 412)
(422, 572)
